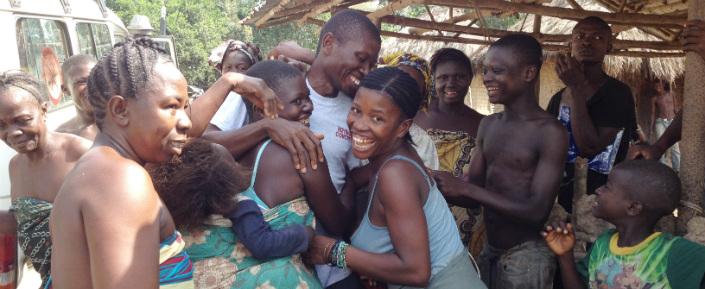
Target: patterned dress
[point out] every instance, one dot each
(33, 232)
(220, 261)
(454, 148)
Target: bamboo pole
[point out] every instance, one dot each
(693, 161)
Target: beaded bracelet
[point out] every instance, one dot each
(338, 254)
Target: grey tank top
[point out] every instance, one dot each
(444, 239)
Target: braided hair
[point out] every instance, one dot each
(401, 87)
(123, 71)
(24, 81)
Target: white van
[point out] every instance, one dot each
(68, 27)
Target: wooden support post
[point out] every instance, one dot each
(693, 135)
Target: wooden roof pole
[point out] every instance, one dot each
(692, 172)
(634, 19)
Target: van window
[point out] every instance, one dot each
(34, 36)
(93, 39)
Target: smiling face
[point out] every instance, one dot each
(75, 83)
(590, 42)
(349, 61)
(22, 120)
(503, 75)
(157, 120)
(376, 123)
(235, 61)
(451, 81)
(294, 95)
(612, 202)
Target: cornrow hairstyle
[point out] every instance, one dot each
(272, 72)
(346, 25)
(198, 183)
(525, 46)
(398, 85)
(26, 82)
(123, 71)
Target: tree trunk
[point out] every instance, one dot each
(693, 141)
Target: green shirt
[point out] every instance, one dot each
(660, 261)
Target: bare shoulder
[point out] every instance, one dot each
(277, 154)
(551, 127)
(75, 146)
(109, 180)
(397, 178)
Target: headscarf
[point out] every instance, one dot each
(249, 49)
(401, 58)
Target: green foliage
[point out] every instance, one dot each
(199, 26)
(196, 26)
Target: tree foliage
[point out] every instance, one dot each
(199, 26)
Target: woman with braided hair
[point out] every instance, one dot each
(109, 227)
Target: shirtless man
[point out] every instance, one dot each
(75, 72)
(693, 40)
(108, 226)
(515, 171)
(662, 114)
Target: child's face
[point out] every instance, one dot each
(157, 121)
(502, 74)
(451, 81)
(22, 120)
(376, 123)
(295, 97)
(612, 200)
(235, 61)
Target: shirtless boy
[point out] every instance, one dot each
(516, 169)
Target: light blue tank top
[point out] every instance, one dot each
(250, 191)
(444, 239)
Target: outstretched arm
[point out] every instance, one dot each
(303, 145)
(669, 137)
(336, 212)
(254, 89)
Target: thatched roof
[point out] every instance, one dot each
(622, 66)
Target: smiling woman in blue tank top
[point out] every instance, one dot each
(407, 236)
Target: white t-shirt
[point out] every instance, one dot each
(329, 117)
(232, 114)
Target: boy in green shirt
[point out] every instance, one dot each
(637, 194)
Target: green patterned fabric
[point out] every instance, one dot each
(661, 261)
(220, 261)
(33, 232)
